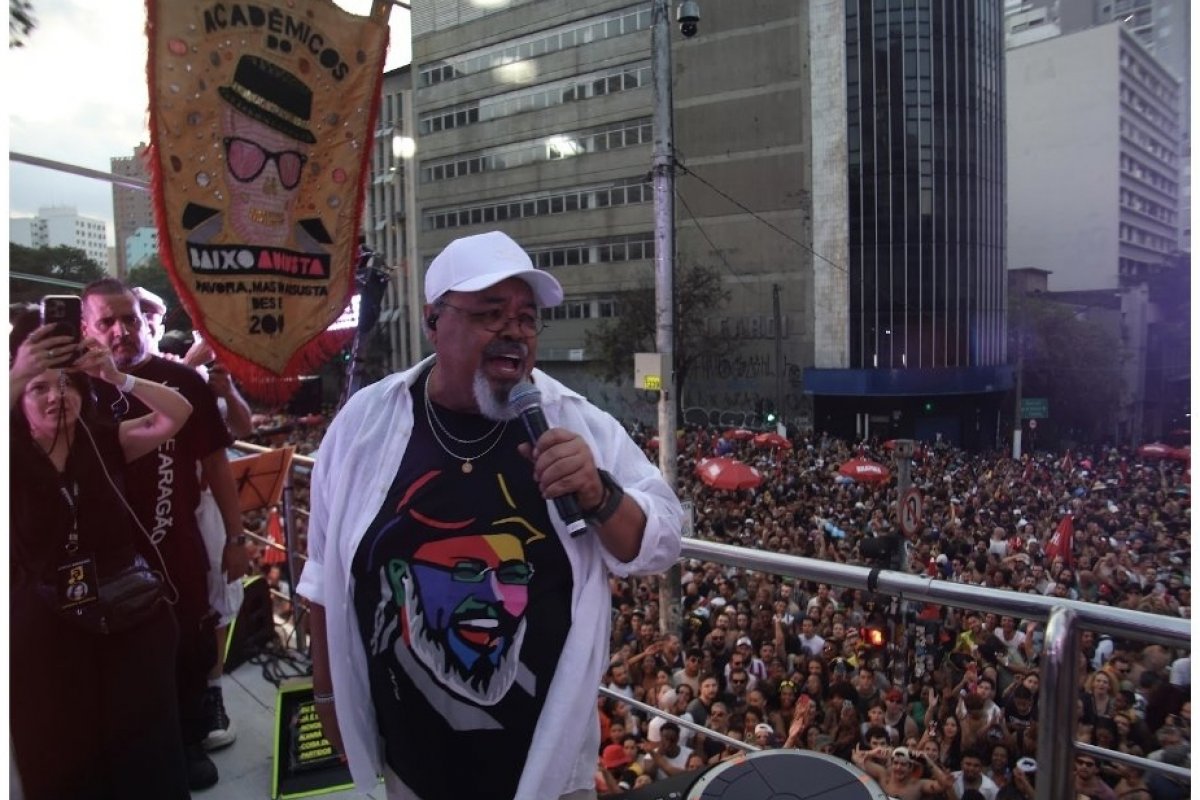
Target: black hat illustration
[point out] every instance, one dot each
(272, 95)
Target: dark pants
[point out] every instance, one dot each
(93, 717)
(197, 652)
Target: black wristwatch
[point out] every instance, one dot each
(609, 502)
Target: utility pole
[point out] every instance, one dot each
(663, 171)
(781, 416)
(1016, 437)
(899, 635)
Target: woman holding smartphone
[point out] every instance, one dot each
(93, 712)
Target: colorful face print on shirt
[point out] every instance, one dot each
(464, 608)
(459, 596)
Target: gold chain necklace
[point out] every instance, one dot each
(435, 423)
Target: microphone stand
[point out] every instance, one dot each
(371, 281)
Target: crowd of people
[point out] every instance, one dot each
(770, 661)
(783, 663)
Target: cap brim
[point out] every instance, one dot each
(547, 291)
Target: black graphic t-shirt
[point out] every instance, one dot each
(163, 486)
(463, 594)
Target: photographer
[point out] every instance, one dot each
(93, 709)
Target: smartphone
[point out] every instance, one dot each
(65, 313)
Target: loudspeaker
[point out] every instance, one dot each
(253, 627)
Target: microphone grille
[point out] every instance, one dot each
(523, 397)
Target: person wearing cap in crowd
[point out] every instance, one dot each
(614, 760)
(744, 647)
(452, 611)
(899, 773)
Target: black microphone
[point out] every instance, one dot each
(525, 401)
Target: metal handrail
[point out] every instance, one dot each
(1064, 620)
(680, 721)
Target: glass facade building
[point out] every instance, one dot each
(925, 114)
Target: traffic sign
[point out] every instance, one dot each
(910, 511)
(1035, 408)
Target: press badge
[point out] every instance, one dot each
(77, 583)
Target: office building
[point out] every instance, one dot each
(1093, 163)
(857, 232)
(133, 209)
(56, 226)
(388, 226)
(925, 314)
(1163, 27)
(535, 119)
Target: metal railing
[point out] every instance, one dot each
(1064, 620)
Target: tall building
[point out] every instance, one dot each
(133, 209)
(535, 119)
(56, 226)
(1093, 165)
(1163, 27)
(389, 226)
(858, 232)
(139, 248)
(925, 267)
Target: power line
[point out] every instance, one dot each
(704, 233)
(760, 218)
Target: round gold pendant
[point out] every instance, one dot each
(466, 467)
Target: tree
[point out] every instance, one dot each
(699, 293)
(152, 275)
(1071, 360)
(69, 264)
(21, 22)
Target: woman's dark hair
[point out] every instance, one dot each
(25, 319)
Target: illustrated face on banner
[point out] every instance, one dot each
(261, 124)
(264, 167)
(464, 605)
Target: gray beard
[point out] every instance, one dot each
(493, 403)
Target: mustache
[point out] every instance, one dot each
(500, 349)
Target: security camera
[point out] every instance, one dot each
(688, 16)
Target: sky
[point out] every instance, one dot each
(76, 93)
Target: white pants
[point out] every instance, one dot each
(224, 597)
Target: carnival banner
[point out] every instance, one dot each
(261, 121)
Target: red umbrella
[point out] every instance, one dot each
(772, 440)
(1181, 453)
(653, 443)
(865, 470)
(723, 472)
(1155, 450)
(741, 434)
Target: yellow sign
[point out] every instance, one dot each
(652, 382)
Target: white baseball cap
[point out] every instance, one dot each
(473, 263)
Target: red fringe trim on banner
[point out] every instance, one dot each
(257, 382)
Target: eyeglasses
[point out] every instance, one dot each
(494, 320)
(247, 160)
(471, 570)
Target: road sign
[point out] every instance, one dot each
(910, 511)
(1035, 408)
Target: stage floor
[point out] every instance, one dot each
(246, 766)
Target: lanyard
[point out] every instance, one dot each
(72, 499)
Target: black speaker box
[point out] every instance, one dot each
(253, 627)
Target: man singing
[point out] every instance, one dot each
(451, 610)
